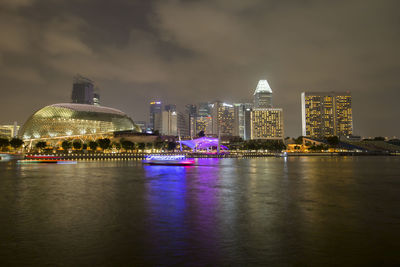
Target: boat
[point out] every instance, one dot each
(45, 159)
(174, 160)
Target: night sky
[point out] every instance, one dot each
(191, 51)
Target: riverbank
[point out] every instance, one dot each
(233, 154)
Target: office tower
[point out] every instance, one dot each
(267, 123)
(9, 131)
(191, 113)
(155, 108)
(223, 118)
(96, 96)
(263, 95)
(169, 124)
(183, 124)
(243, 120)
(204, 109)
(204, 124)
(82, 90)
(170, 107)
(326, 114)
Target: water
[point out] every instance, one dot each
(269, 211)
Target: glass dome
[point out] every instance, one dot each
(63, 120)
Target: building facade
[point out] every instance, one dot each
(169, 123)
(326, 114)
(263, 95)
(155, 108)
(267, 123)
(243, 120)
(205, 124)
(223, 119)
(83, 91)
(9, 131)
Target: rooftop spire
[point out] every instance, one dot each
(263, 86)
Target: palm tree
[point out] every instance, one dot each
(41, 145)
(66, 145)
(77, 145)
(4, 143)
(16, 143)
(93, 145)
(104, 143)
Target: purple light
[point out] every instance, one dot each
(202, 143)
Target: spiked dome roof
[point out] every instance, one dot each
(263, 87)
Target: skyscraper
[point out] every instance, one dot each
(82, 90)
(223, 119)
(243, 120)
(326, 114)
(263, 95)
(267, 123)
(155, 108)
(169, 125)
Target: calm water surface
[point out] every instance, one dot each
(269, 211)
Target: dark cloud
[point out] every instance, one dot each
(191, 51)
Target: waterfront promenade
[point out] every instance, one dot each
(233, 154)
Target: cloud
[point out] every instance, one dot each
(14, 4)
(192, 51)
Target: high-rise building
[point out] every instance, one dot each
(9, 131)
(96, 96)
(263, 95)
(267, 123)
(204, 124)
(169, 125)
(326, 114)
(223, 119)
(183, 124)
(82, 90)
(191, 113)
(155, 108)
(204, 109)
(243, 120)
(170, 107)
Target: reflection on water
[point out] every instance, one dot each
(306, 211)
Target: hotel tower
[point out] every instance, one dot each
(326, 114)
(266, 121)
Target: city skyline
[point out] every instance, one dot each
(152, 51)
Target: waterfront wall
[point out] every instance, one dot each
(233, 154)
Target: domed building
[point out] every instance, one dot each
(68, 120)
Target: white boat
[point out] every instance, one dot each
(176, 160)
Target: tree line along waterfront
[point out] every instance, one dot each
(160, 145)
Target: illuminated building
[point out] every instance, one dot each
(204, 124)
(183, 124)
(326, 114)
(96, 97)
(83, 91)
(191, 113)
(155, 108)
(267, 123)
(204, 109)
(169, 124)
(223, 119)
(263, 95)
(9, 131)
(74, 120)
(243, 120)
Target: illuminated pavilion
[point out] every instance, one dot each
(202, 143)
